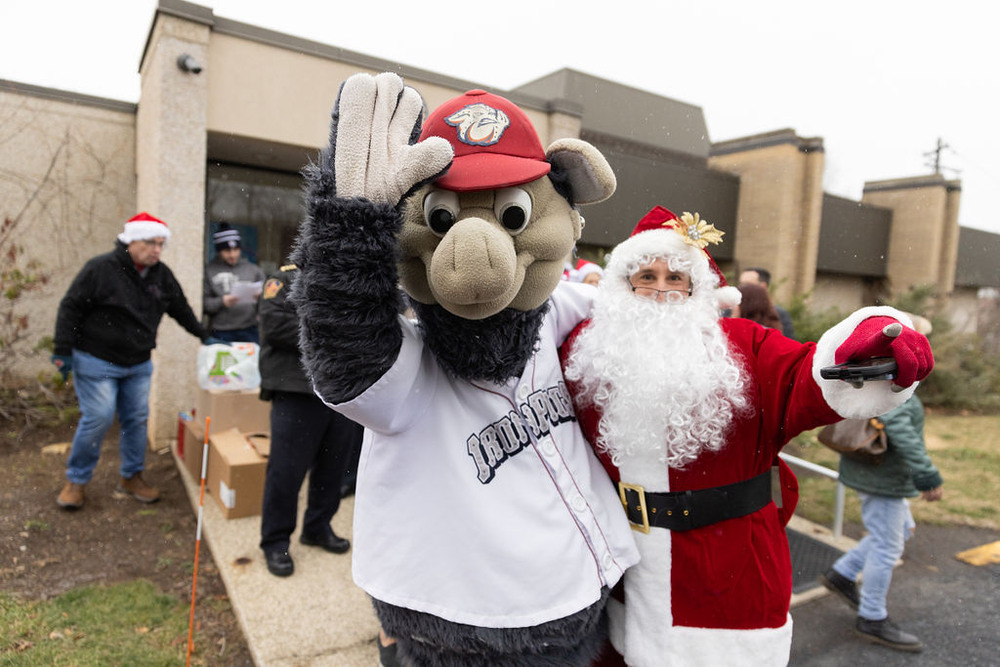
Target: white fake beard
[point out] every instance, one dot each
(662, 374)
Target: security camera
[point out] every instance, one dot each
(187, 63)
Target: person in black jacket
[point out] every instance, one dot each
(306, 436)
(105, 331)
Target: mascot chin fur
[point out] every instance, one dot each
(485, 529)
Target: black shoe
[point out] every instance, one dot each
(329, 542)
(886, 632)
(279, 563)
(843, 587)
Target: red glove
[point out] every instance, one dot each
(885, 337)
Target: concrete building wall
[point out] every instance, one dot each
(967, 311)
(170, 165)
(845, 293)
(67, 179)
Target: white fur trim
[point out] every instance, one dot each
(143, 230)
(761, 647)
(648, 617)
(643, 631)
(874, 398)
(653, 243)
(728, 296)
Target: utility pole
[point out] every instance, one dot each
(936, 156)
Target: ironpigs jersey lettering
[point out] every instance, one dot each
(501, 440)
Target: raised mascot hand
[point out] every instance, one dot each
(373, 125)
(885, 337)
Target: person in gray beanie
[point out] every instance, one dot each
(231, 318)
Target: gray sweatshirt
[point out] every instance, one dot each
(219, 280)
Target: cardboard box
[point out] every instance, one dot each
(236, 474)
(194, 447)
(227, 408)
(261, 442)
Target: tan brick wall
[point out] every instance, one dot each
(923, 241)
(778, 218)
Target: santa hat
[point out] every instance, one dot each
(660, 233)
(144, 227)
(584, 269)
(495, 144)
(226, 237)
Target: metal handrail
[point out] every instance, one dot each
(838, 510)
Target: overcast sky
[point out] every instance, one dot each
(879, 81)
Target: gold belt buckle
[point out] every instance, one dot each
(641, 527)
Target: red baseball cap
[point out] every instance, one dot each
(495, 144)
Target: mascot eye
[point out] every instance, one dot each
(441, 210)
(513, 209)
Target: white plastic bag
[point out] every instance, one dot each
(229, 366)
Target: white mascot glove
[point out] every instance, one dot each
(373, 156)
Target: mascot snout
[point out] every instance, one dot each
(475, 264)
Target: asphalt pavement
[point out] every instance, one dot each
(318, 617)
(952, 606)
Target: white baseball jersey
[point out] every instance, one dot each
(482, 503)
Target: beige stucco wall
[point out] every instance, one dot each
(67, 175)
(268, 92)
(779, 210)
(170, 165)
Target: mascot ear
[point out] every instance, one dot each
(587, 172)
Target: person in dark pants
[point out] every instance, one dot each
(306, 437)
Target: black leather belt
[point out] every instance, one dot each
(687, 510)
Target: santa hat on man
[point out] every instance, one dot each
(584, 269)
(660, 233)
(144, 227)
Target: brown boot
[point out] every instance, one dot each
(136, 487)
(71, 496)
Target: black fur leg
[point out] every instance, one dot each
(430, 641)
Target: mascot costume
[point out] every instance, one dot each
(486, 530)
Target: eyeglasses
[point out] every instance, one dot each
(669, 295)
(158, 244)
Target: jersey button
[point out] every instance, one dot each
(522, 392)
(548, 448)
(578, 503)
(606, 561)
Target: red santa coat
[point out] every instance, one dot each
(720, 593)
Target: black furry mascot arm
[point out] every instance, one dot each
(347, 296)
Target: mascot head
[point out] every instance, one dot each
(494, 231)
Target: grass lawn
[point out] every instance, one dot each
(965, 448)
(124, 624)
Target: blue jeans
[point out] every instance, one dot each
(102, 389)
(889, 524)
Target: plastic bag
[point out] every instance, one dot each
(229, 366)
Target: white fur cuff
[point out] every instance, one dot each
(874, 398)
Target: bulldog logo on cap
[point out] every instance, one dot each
(495, 145)
(479, 124)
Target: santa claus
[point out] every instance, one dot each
(688, 413)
